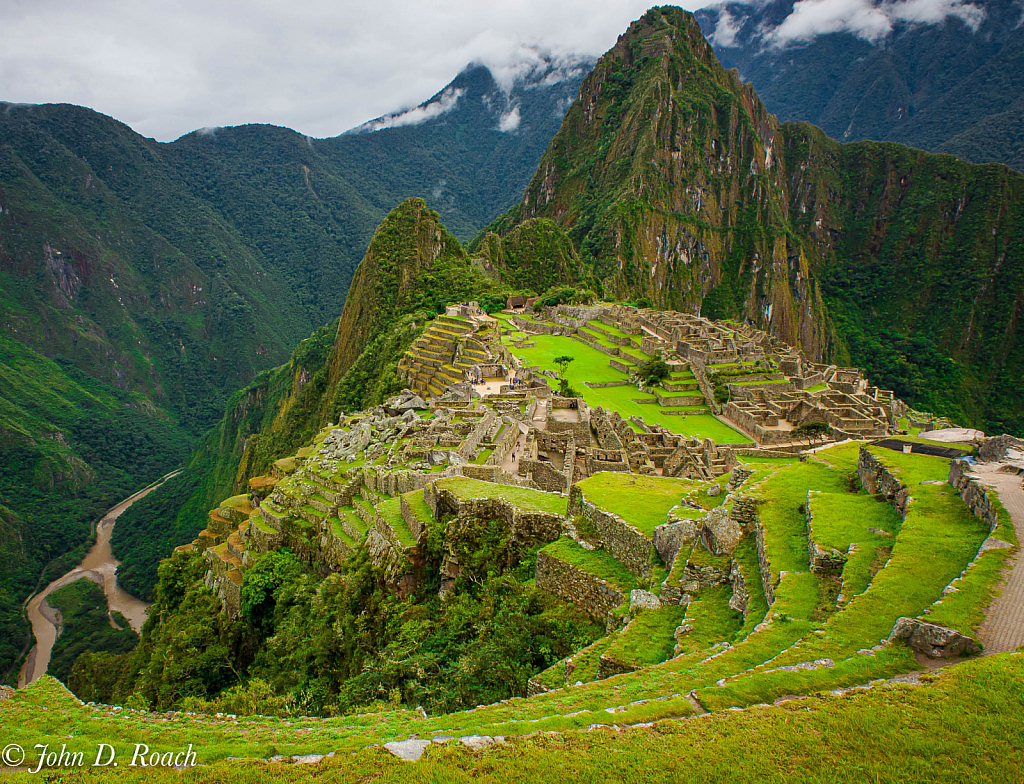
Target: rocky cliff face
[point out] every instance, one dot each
(951, 82)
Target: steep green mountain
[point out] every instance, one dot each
(149, 281)
(676, 184)
(412, 268)
(946, 86)
(69, 446)
(669, 180)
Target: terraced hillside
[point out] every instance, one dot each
(795, 580)
(491, 559)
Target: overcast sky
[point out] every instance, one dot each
(167, 67)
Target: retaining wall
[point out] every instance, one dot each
(973, 493)
(630, 547)
(877, 480)
(596, 597)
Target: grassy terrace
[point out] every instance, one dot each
(352, 518)
(927, 550)
(338, 530)
(592, 365)
(584, 665)
(414, 498)
(966, 716)
(712, 619)
(599, 563)
(935, 542)
(522, 497)
(391, 512)
(642, 501)
(840, 519)
(614, 331)
(649, 639)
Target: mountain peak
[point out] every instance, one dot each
(531, 84)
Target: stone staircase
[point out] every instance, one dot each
(441, 355)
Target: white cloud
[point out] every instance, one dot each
(509, 121)
(867, 19)
(428, 111)
(726, 29)
(319, 66)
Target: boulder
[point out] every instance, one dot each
(721, 532)
(931, 639)
(640, 599)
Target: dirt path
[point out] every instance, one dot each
(1003, 627)
(512, 466)
(99, 565)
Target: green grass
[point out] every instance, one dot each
(615, 331)
(391, 511)
(589, 364)
(840, 519)
(416, 502)
(482, 457)
(966, 716)
(964, 610)
(938, 538)
(352, 518)
(340, 532)
(649, 639)
(522, 497)
(584, 665)
(783, 497)
(599, 563)
(642, 501)
(712, 619)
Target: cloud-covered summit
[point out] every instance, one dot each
(319, 66)
(870, 20)
(497, 87)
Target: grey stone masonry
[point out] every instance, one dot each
(936, 641)
(973, 493)
(629, 546)
(877, 480)
(594, 596)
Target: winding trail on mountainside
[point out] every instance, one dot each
(1003, 627)
(100, 566)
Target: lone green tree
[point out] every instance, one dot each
(563, 385)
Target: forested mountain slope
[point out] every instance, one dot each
(951, 85)
(675, 183)
(142, 283)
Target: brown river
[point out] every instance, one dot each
(99, 565)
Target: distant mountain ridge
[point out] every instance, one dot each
(945, 87)
(143, 283)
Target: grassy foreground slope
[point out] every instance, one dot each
(961, 725)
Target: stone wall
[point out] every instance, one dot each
(541, 329)
(526, 527)
(877, 480)
(821, 561)
(670, 538)
(931, 639)
(596, 597)
(630, 547)
(544, 474)
(504, 446)
(973, 493)
(740, 599)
